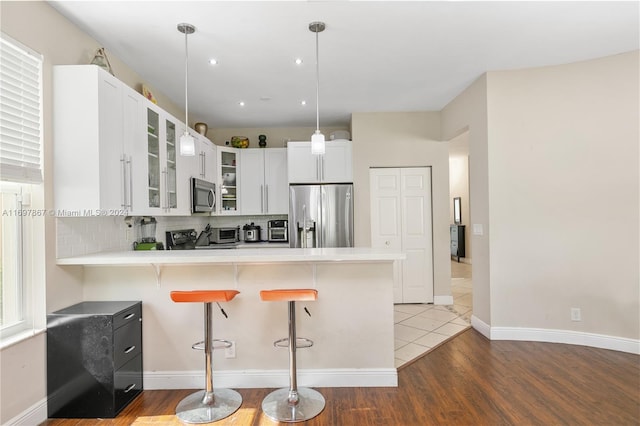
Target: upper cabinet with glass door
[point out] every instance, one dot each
(228, 165)
(165, 193)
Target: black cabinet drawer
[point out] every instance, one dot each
(128, 381)
(127, 343)
(129, 316)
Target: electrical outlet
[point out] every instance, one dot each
(575, 314)
(230, 352)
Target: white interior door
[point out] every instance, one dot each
(417, 270)
(401, 219)
(386, 217)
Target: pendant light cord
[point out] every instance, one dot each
(186, 82)
(317, 85)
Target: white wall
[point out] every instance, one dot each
(563, 160)
(402, 140)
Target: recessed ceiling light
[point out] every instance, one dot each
(213, 61)
(241, 103)
(303, 103)
(298, 61)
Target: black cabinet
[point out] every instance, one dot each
(457, 241)
(94, 359)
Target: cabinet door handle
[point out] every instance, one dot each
(166, 188)
(123, 169)
(262, 198)
(203, 164)
(131, 315)
(130, 200)
(129, 388)
(266, 198)
(129, 349)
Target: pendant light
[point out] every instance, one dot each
(187, 143)
(317, 139)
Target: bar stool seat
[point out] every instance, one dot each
(208, 405)
(293, 404)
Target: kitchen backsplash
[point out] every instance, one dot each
(77, 236)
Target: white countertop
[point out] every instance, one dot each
(232, 256)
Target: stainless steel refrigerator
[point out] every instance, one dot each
(321, 215)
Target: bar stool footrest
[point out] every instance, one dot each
(301, 343)
(216, 344)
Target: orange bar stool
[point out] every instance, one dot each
(209, 405)
(293, 404)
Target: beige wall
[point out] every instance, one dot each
(403, 140)
(277, 137)
(459, 185)
(553, 163)
(563, 196)
(468, 113)
(41, 28)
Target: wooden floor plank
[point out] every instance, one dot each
(468, 380)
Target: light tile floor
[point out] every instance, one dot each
(420, 327)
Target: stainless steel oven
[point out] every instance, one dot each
(203, 196)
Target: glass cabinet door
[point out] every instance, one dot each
(172, 200)
(153, 157)
(228, 188)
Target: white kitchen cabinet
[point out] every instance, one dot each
(96, 128)
(263, 181)
(114, 151)
(401, 220)
(227, 184)
(332, 167)
(206, 158)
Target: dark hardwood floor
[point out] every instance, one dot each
(468, 380)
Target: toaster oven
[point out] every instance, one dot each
(224, 235)
(277, 231)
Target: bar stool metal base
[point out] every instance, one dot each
(276, 405)
(200, 407)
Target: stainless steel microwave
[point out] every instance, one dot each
(203, 196)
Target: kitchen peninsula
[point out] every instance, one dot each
(351, 323)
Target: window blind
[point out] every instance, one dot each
(20, 112)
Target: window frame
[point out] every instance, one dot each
(30, 215)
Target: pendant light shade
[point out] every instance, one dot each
(187, 142)
(317, 139)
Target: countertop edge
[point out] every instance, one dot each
(244, 256)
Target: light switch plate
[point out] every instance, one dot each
(478, 229)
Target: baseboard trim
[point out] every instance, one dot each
(443, 300)
(569, 337)
(34, 415)
(481, 326)
(374, 377)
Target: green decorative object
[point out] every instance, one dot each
(239, 141)
(262, 141)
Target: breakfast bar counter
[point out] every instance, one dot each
(351, 323)
(237, 255)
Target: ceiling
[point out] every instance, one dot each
(374, 56)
